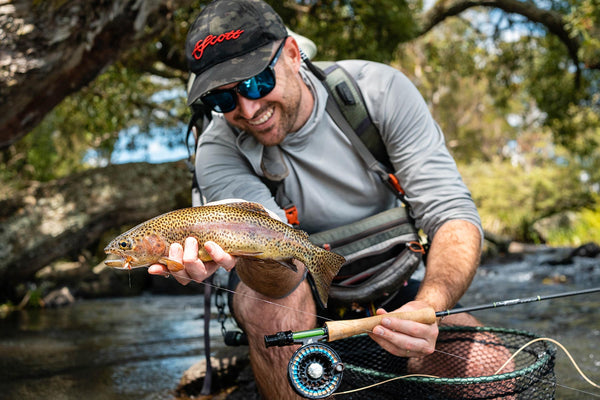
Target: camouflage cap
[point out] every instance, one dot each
(231, 40)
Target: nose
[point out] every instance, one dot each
(247, 107)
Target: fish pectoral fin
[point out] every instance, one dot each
(245, 253)
(289, 264)
(172, 265)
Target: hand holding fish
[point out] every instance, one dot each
(194, 268)
(239, 233)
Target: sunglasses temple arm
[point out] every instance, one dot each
(318, 72)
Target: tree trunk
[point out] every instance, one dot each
(50, 49)
(48, 221)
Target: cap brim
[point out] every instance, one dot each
(234, 70)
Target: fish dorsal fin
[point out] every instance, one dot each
(302, 233)
(249, 206)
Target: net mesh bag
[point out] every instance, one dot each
(464, 366)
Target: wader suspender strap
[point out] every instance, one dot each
(342, 87)
(366, 140)
(346, 107)
(201, 115)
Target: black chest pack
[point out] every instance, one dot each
(381, 251)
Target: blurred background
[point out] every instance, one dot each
(93, 121)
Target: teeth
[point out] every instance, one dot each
(263, 118)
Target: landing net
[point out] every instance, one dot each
(466, 366)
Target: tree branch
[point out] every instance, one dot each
(52, 220)
(52, 49)
(551, 20)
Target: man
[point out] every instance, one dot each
(269, 120)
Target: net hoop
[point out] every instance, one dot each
(542, 360)
(477, 374)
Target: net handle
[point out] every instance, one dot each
(342, 329)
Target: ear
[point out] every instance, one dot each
(292, 53)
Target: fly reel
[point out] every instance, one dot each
(315, 371)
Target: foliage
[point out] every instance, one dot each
(93, 119)
(584, 19)
(525, 135)
(511, 198)
(446, 66)
(585, 229)
(365, 29)
(520, 115)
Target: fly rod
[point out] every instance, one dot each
(504, 303)
(335, 330)
(315, 369)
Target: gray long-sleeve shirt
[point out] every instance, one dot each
(326, 179)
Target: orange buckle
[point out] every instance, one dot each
(395, 183)
(291, 214)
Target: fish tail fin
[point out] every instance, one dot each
(324, 265)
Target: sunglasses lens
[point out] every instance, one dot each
(221, 102)
(258, 86)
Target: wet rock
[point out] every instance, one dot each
(588, 250)
(246, 387)
(591, 250)
(58, 298)
(544, 226)
(525, 248)
(232, 377)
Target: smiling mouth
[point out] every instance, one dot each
(263, 118)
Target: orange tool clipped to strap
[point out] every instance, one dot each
(291, 213)
(395, 183)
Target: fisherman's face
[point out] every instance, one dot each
(284, 110)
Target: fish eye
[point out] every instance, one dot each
(124, 245)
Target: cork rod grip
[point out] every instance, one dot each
(346, 328)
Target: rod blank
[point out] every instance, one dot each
(513, 302)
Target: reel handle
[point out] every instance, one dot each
(346, 328)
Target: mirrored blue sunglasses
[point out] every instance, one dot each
(257, 87)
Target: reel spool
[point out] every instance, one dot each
(315, 371)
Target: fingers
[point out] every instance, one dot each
(182, 254)
(405, 338)
(194, 269)
(158, 269)
(219, 256)
(176, 253)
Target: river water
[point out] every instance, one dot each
(139, 347)
(124, 348)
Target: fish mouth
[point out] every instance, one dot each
(124, 262)
(115, 261)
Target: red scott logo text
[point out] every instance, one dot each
(211, 40)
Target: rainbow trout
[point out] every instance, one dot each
(242, 229)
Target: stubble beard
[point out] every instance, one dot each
(287, 110)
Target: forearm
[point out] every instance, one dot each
(451, 264)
